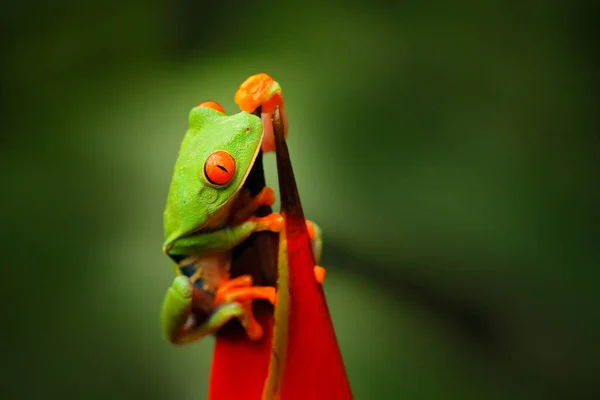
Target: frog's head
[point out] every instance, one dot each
(215, 158)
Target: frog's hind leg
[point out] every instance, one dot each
(177, 308)
(178, 323)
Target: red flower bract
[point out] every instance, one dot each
(301, 360)
(313, 366)
(240, 365)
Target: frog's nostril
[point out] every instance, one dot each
(247, 129)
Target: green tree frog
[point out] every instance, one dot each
(206, 217)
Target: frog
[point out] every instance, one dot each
(206, 216)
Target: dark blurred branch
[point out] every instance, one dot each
(288, 190)
(476, 324)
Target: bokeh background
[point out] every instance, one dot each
(447, 149)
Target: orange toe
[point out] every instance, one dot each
(242, 294)
(319, 274)
(267, 196)
(272, 222)
(254, 330)
(311, 229)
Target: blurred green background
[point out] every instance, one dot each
(448, 150)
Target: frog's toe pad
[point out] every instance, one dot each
(311, 229)
(319, 274)
(254, 330)
(183, 286)
(267, 196)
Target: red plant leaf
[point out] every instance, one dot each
(313, 367)
(239, 367)
(299, 357)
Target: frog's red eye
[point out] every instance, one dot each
(219, 168)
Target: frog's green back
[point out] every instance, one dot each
(192, 200)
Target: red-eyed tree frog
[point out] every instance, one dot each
(206, 216)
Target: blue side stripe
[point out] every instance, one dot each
(189, 270)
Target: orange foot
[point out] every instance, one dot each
(319, 274)
(266, 197)
(311, 230)
(240, 290)
(272, 222)
(258, 90)
(262, 91)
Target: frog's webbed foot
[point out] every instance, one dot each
(240, 291)
(261, 90)
(272, 222)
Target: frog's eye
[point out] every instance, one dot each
(219, 168)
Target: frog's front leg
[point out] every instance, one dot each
(224, 239)
(314, 232)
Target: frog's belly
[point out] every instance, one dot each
(207, 272)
